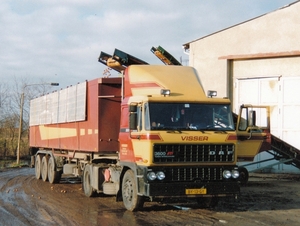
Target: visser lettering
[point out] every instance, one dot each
(194, 138)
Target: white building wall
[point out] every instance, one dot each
(275, 33)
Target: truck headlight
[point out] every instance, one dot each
(165, 92)
(151, 175)
(160, 175)
(226, 174)
(235, 174)
(211, 93)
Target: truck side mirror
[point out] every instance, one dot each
(252, 124)
(252, 118)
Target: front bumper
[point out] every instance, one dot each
(164, 190)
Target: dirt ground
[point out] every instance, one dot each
(266, 200)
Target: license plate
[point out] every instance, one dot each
(197, 191)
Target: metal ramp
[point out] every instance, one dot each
(286, 151)
(282, 152)
(165, 56)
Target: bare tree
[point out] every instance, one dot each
(11, 104)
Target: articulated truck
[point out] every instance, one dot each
(151, 134)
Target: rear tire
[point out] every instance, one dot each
(44, 168)
(53, 175)
(38, 165)
(131, 200)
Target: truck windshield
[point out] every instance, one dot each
(188, 116)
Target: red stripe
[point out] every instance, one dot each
(251, 137)
(150, 137)
(245, 137)
(231, 137)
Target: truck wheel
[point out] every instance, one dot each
(38, 165)
(86, 182)
(53, 175)
(207, 202)
(44, 168)
(244, 175)
(131, 200)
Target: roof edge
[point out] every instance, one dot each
(186, 46)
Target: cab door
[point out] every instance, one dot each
(253, 132)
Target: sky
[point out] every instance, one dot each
(61, 40)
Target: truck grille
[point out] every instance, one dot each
(189, 174)
(193, 153)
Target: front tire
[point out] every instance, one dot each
(131, 200)
(207, 202)
(244, 175)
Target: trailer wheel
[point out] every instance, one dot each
(38, 165)
(86, 182)
(53, 175)
(244, 175)
(131, 200)
(44, 168)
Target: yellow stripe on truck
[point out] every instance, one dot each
(54, 133)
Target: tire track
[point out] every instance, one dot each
(27, 201)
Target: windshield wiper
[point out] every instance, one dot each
(220, 131)
(173, 130)
(216, 129)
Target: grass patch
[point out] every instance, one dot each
(13, 164)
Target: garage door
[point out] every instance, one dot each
(282, 95)
(261, 91)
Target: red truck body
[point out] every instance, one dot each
(97, 133)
